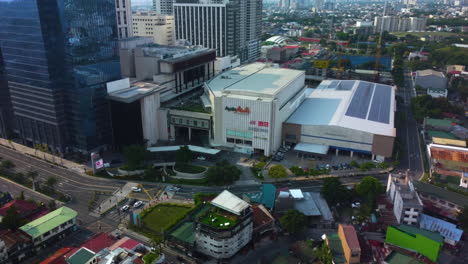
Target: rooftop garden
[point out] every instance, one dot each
(218, 218)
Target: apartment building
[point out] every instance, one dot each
(407, 206)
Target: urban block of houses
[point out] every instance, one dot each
(26, 210)
(449, 231)
(102, 248)
(424, 242)
(449, 160)
(54, 224)
(440, 201)
(434, 82)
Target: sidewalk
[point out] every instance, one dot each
(44, 156)
(114, 200)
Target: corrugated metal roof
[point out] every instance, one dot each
(446, 229)
(230, 202)
(446, 141)
(49, 221)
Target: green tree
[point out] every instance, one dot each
(335, 192)
(52, 205)
(12, 220)
(324, 254)
(323, 42)
(223, 173)
(134, 156)
(277, 172)
(184, 155)
(51, 182)
(462, 218)
(369, 188)
(157, 242)
(7, 164)
(293, 221)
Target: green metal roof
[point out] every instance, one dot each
(82, 256)
(441, 193)
(398, 258)
(336, 248)
(439, 122)
(440, 134)
(414, 230)
(49, 221)
(268, 195)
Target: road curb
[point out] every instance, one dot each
(31, 190)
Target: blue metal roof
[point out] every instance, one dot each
(380, 107)
(361, 100)
(315, 111)
(446, 229)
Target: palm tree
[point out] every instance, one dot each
(33, 175)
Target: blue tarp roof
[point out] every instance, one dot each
(446, 229)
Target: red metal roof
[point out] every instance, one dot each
(58, 257)
(21, 207)
(130, 244)
(292, 47)
(351, 236)
(309, 39)
(99, 242)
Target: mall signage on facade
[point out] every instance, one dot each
(238, 110)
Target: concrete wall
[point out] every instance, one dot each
(145, 67)
(383, 145)
(149, 118)
(337, 136)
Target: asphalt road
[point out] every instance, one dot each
(411, 158)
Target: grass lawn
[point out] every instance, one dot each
(162, 217)
(422, 34)
(150, 257)
(217, 220)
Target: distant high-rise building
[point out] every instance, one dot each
(58, 56)
(386, 23)
(232, 27)
(164, 7)
(284, 3)
(413, 24)
(123, 14)
(319, 4)
(151, 24)
(409, 2)
(6, 115)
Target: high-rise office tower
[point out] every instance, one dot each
(6, 115)
(58, 56)
(123, 14)
(164, 7)
(151, 24)
(232, 27)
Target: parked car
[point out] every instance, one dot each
(201, 158)
(136, 189)
(138, 204)
(125, 208)
(278, 158)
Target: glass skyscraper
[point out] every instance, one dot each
(58, 56)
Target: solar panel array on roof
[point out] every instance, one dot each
(361, 101)
(380, 107)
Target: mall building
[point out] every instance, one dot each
(249, 105)
(344, 116)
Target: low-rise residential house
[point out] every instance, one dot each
(83, 256)
(440, 201)
(26, 210)
(447, 230)
(433, 81)
(445, 124)
(15, 246)
(53, 225)
(424, 242)
(350, 243)
(455, 69)
(407, 206)
(263, 221)
(448, 160)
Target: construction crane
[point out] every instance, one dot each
(377, 50)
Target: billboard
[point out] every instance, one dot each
(321, 64)
(99, 164)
